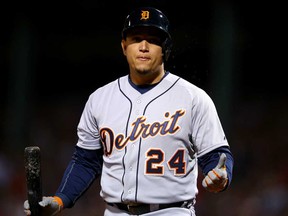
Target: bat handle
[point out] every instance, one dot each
(33, 178)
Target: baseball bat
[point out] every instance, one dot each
(32, 159)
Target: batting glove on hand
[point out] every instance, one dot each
(50, 206)
(216, 179)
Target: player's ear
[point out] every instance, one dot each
(123, 45)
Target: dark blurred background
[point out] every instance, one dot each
(53, 54)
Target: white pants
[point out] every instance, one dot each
(112, 211)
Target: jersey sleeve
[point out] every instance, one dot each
(87, 129)
(207, 131)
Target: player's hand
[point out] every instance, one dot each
(216, 179)
(50, 206)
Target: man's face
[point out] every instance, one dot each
(143, 49)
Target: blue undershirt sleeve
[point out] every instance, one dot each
(84, 167)
(210, 160)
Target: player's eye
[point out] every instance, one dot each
(137, 39)
(134, 39)
(155, 41)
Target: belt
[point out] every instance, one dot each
(141, 208)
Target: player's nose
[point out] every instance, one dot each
(144, 46)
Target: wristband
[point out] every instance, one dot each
(59, 201)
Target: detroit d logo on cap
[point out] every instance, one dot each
(144, 15)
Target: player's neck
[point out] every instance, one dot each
(146, 78)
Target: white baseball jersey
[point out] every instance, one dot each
(149, 139)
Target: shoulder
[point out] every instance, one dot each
(187, 87)
(99, 95)
(183, 82)
(109, 87)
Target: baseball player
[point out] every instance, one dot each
(145, 134)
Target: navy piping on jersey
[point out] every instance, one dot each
(126, 134)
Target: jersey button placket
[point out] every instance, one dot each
(129, 191)
(138, 102)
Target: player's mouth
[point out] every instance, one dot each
(143, 58)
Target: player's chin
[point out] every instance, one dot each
(143, 69)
